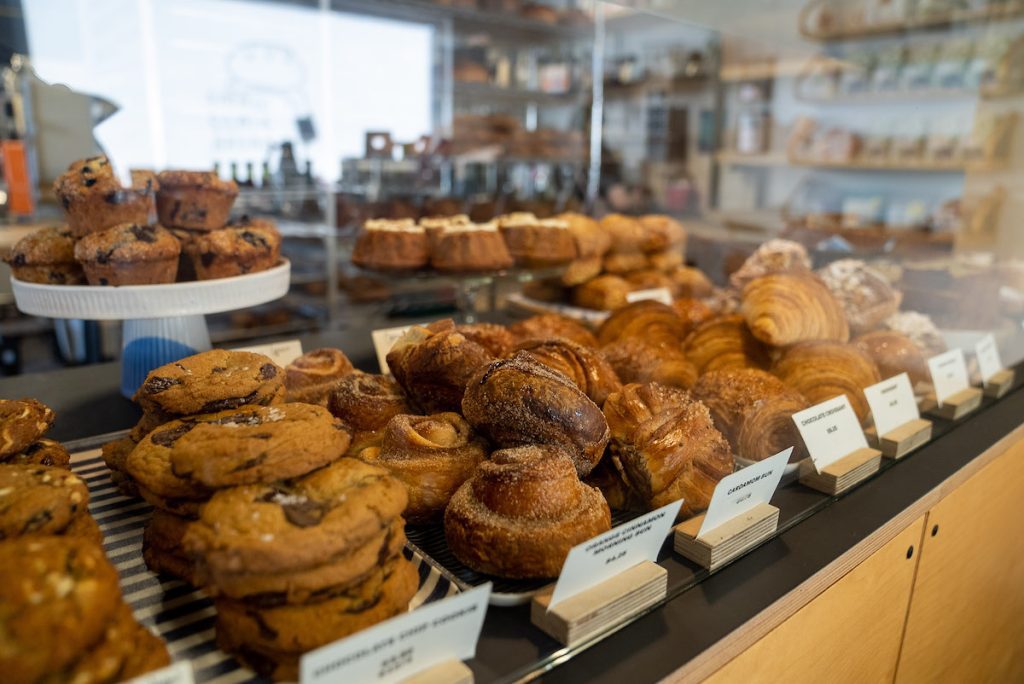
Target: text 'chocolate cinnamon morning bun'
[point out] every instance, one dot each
(366, 403)
(311, 377)
(547, 326)
(823, 370)
(519, 401)
(431, 455)
(665, 446)
(521, 512)
(434, 363)
(583, 365)
(724, 342)
(784, 309)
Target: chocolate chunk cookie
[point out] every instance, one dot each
(57, 595)
(44, 452)
(149, 464)
(162, 546)
(212, 381)
(292, 526)
(38, 500)
(22, 421)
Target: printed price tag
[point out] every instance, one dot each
(383, 340)
(403, 646)
(281, 353)
(892, 403)
(618, 549)
(830, 431)
(989, 362)
(178, 673)
(743, 490)
(949, 374)
(658, 294)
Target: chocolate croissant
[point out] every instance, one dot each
(519, 401)
(431, 455)
(895, 353)
(823, 370)
(724, 342)
(665, 446)
(521, 512)
(433, 365)
(635, 360)
(547, 326)
(583, 365)
(603, 293)
(366, 403)
(651, 321)
(784, 309)
(311, 377)
(692, 311)
(767, 428)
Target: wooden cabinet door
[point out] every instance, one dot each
(966, 620)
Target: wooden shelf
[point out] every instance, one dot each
(753, 160)
(1013, 10)
(778, 159)
(932, 94)
(488, 91)
(784, 68)
(616, 91)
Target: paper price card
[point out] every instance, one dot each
(949, 374)
(383, 340)
(608, 554)
(892, 403)
(178, 673)
(830, 431)
(745, 489)
(403, 646)
(989, 362)
(658, 294)
(281, 353)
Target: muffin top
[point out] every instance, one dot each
(95, 176)
(128, 242)
(52, 245)
(242, 237)
(205, 180)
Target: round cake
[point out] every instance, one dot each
(391, 245)
(470, 247)
(534, 242)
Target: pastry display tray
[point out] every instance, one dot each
(180, 614)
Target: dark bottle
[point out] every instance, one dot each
(250, 181)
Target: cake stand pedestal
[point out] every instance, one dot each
(162, 323)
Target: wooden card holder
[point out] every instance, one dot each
(728, 540)
(449, 672)
(839, 476)
(999, 384)
(900, 441)
(605, 605)
(956, 406)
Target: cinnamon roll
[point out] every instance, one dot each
(311, 377)
(583, 365)
(366, 403)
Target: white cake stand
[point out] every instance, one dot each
(162, 323)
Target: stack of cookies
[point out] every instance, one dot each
(204, 383)
(298, 563)
(38, 500)
(62, 617)
(23, 422)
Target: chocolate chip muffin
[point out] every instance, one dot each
(47, 256)
(94, 199)
(199, 200)
(244, 246)
(129, 254)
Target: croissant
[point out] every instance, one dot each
(661, 232)
(692, 311)
(591, 239)
(627, 234)
(580, 271)
(665, 446)
(603, 293)
(823, 370)
(366, 403)
(433, 365)
(690, 282)
(521, 512)
(496, 339)
(311, 377)
(649, 279)
(784, 309)
(431, 455)
(519, 401)
(547, 326)
(666, 261)
(651, 321)
(767, 428)
(583, 365)
(635, 360)
(724, 342)
(895, 353)
(624, 262)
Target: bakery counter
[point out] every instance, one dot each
(708, 620)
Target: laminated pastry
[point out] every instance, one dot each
(823, 370)
(865, 294)
(774, 256)
(692, 311)
(431, 455)
(198, 200)
(636, 360)
(627, 235)
(583, 365)
(649, 279)
(665, 447)
(920, 329)
(497, 339)
(244, 246)
(22, 422)
(653, 322)
(591, 240)
(313, 376)
(521, 512)
(895, 353)
(768, 428)
(667, 260)
(623, 263)
(129, 254)
(580, 271)
(690, 282)
(434, 363)
(534, 242)
(783, 309)
(366, 403)
(93, 198)
(724, 342)
(603, 293)
(547, 326)
(39, 500)
(466, 247)
(519, 401)
(46, 256)
(548, 290)
(662, 232)
(391, 246)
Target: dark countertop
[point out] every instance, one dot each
(87, 402)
